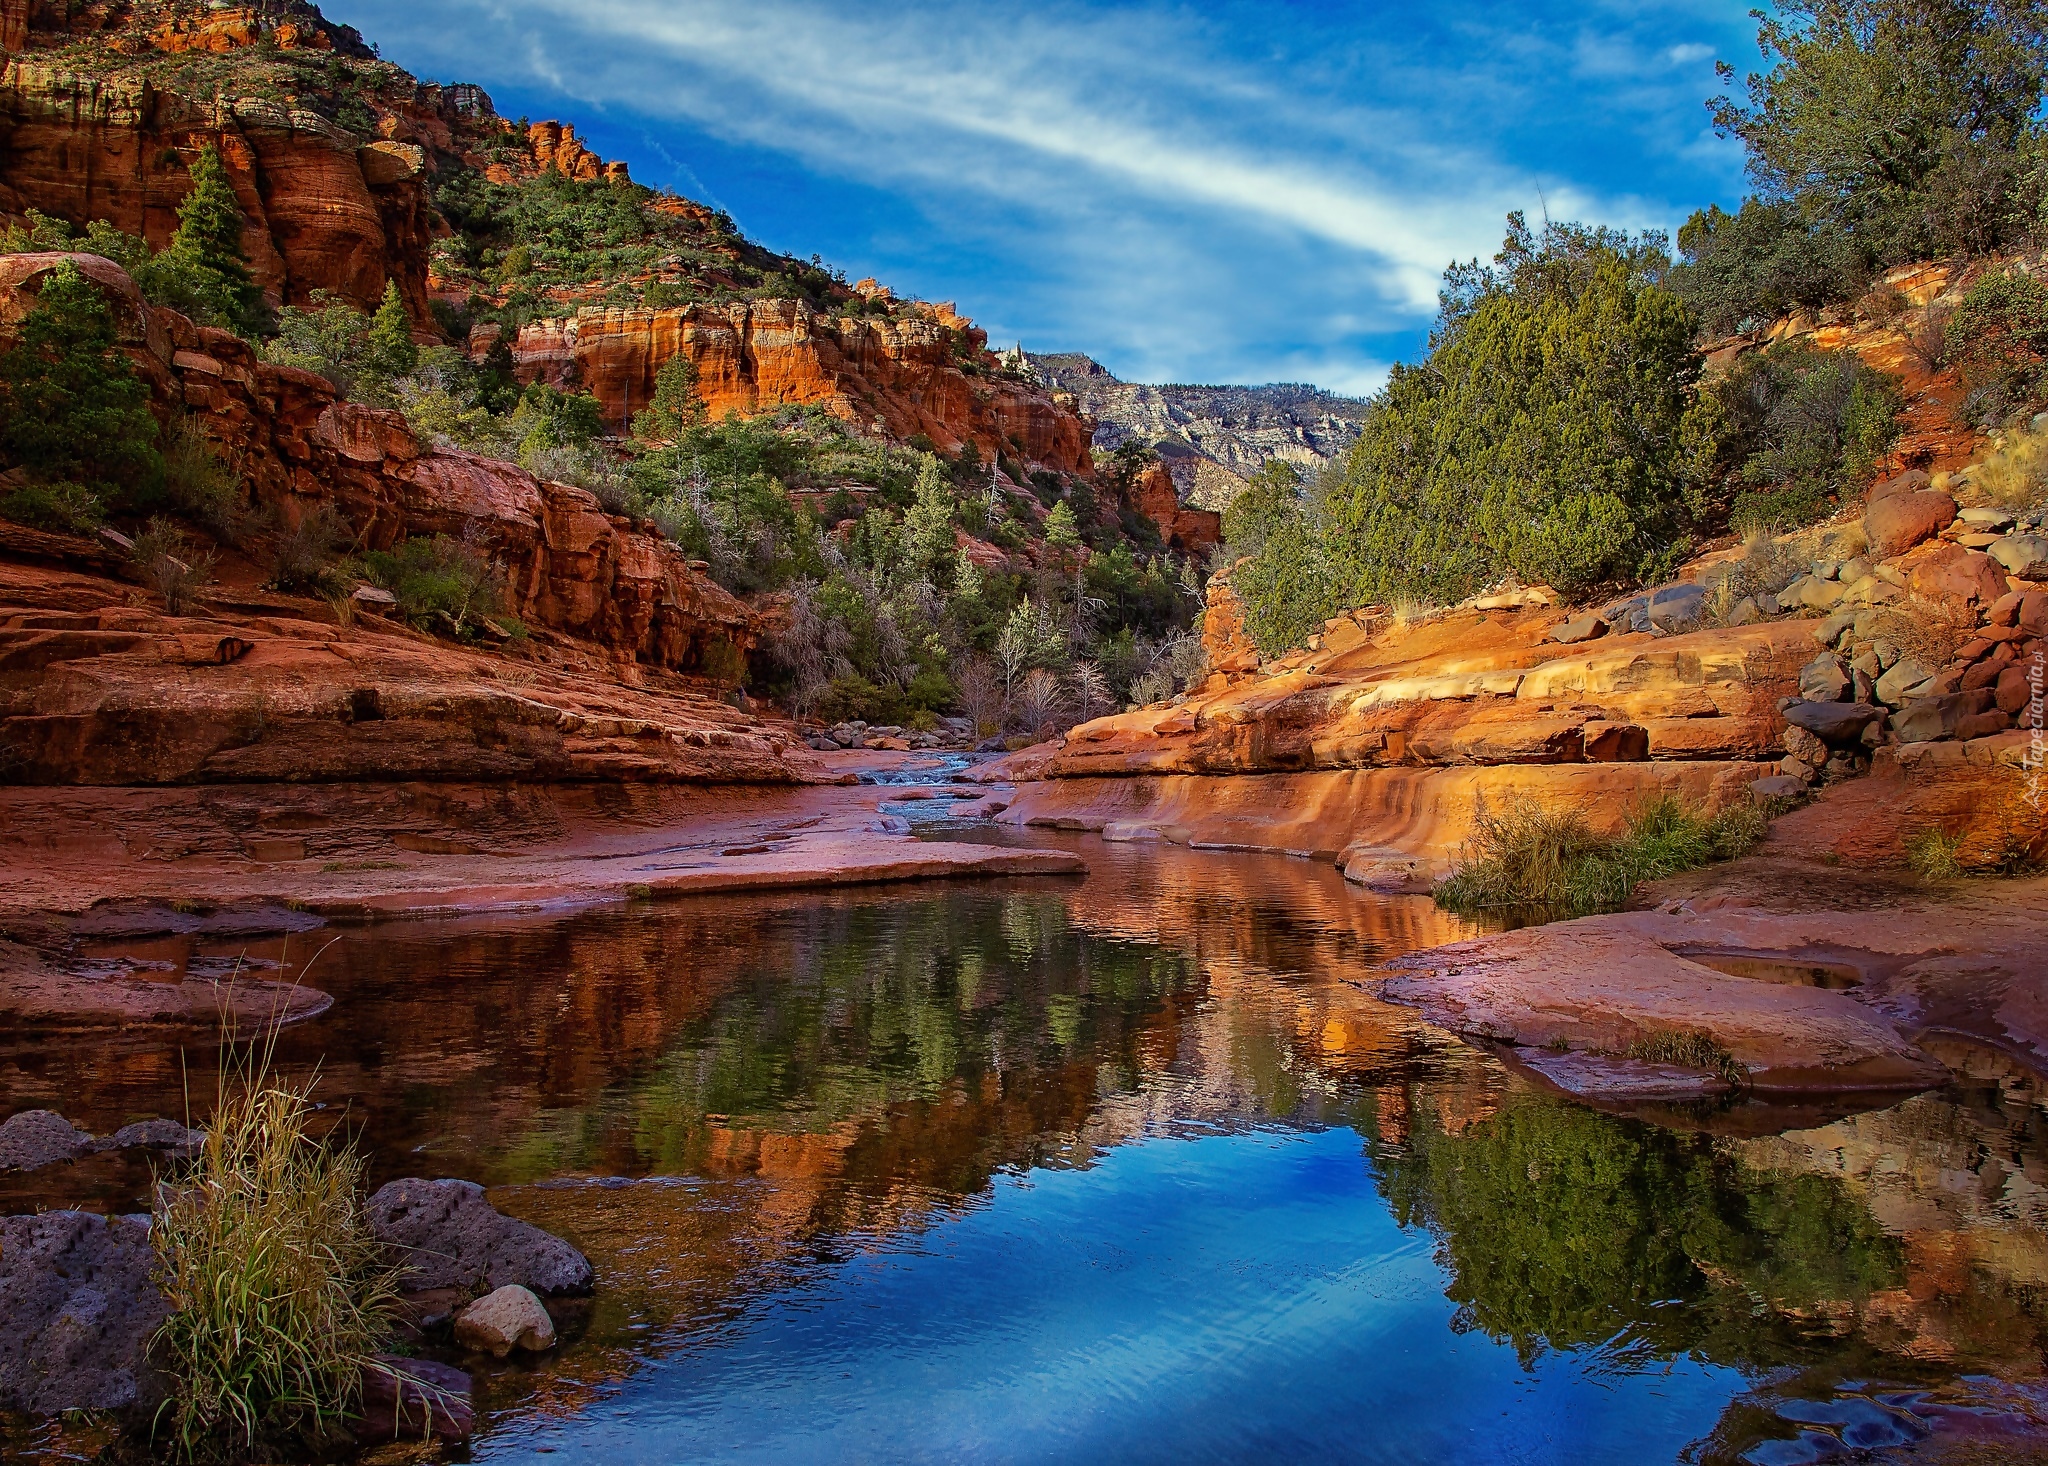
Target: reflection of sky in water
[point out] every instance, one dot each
(1239, 1297)
(1102, 1169)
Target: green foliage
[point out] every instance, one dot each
(1883, 131)
(676, 406)
(202, 484)
(1999, 338)
(1797, 432)
(1565, 1229)
(438, 579)
(204, 272)
(388, 349)
(72, 411)
(1538, 438)
(1532, 861)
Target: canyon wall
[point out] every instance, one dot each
(899, 374)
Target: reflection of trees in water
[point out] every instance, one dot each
(1563, 1229)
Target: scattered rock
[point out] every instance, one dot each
(2024, 555)
(503, 1320)
(451, 1237)
(1829, 632)
(154, 1135)
(1804, 747)
(37, 1138)
(1778, 786)
(1676, 607)
(414, 1399)
(1580, 628)
(1897, 522)
(1907, 679)
(1931, 718)
(1831, 722)
(80, 1308)
(1985, 517)
(1824, 679)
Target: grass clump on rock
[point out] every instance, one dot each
(279, 1294)
(1547, 863)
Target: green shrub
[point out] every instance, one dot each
(1795, 433)
(1541, 438)
(1935, 855)
(279, 1294)
(170, 566)
(202, 483)
(303, 559)
(1998, 336)
(1532, 861)
(59, 508)
(438, 578)
(1740, 271)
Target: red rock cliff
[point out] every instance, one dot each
(899, 371)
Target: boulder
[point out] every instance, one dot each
(2024, 555)
(2014, 690)
(1829, 632)
(1985, 517)
(1746, 613)
(1831, 722)
(80, 1308)
(414, 1399)
(1907, 679)
(1778, 786)
(1824, 679)
(1897, 522)
(1932, 718)
(35, 1138)
(1953, 573)
(449, 1236)
(505, 1319)
(1804, 747)
(1386, 872)
(1587, 627)
(1676, 607)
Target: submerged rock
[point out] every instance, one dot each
(79, 1306)
(450, 1237)
(36, 1138)
(414, 1399)
(503, 1320)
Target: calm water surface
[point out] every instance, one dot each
(1117, 1169)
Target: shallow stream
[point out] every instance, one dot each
(1123, 1168)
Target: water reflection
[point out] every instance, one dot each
(1133, 1147)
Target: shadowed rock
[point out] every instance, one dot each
(36, 1138)
(79, 1307)
(450, 1237)
(414, 1400)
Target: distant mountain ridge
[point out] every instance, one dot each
(1211, 437)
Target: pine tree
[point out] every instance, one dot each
(204, 271)
(675, 407)
(72, 410)
(928, 524)
(391, 352)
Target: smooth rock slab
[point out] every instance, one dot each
(450, 1237)
(79, 1309)
(1595, 986)
(506, 1319)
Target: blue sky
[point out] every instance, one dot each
(1223, 192)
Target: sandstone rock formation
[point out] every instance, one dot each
(86, 135)
(900, 372)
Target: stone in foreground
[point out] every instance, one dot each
(507, 1319)
(448, 1236)
(414, 1400)
(79, 1308)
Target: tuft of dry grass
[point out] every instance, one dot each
(170, 566)
(1546, 863)
(1692, 1048)
(2015, 476)
(280, 1296)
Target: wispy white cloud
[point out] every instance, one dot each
(1222, 193)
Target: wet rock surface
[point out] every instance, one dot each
(37, 1138)
(449, 1236)
(505, 1319)
(79, 1309)
(408, 1399)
